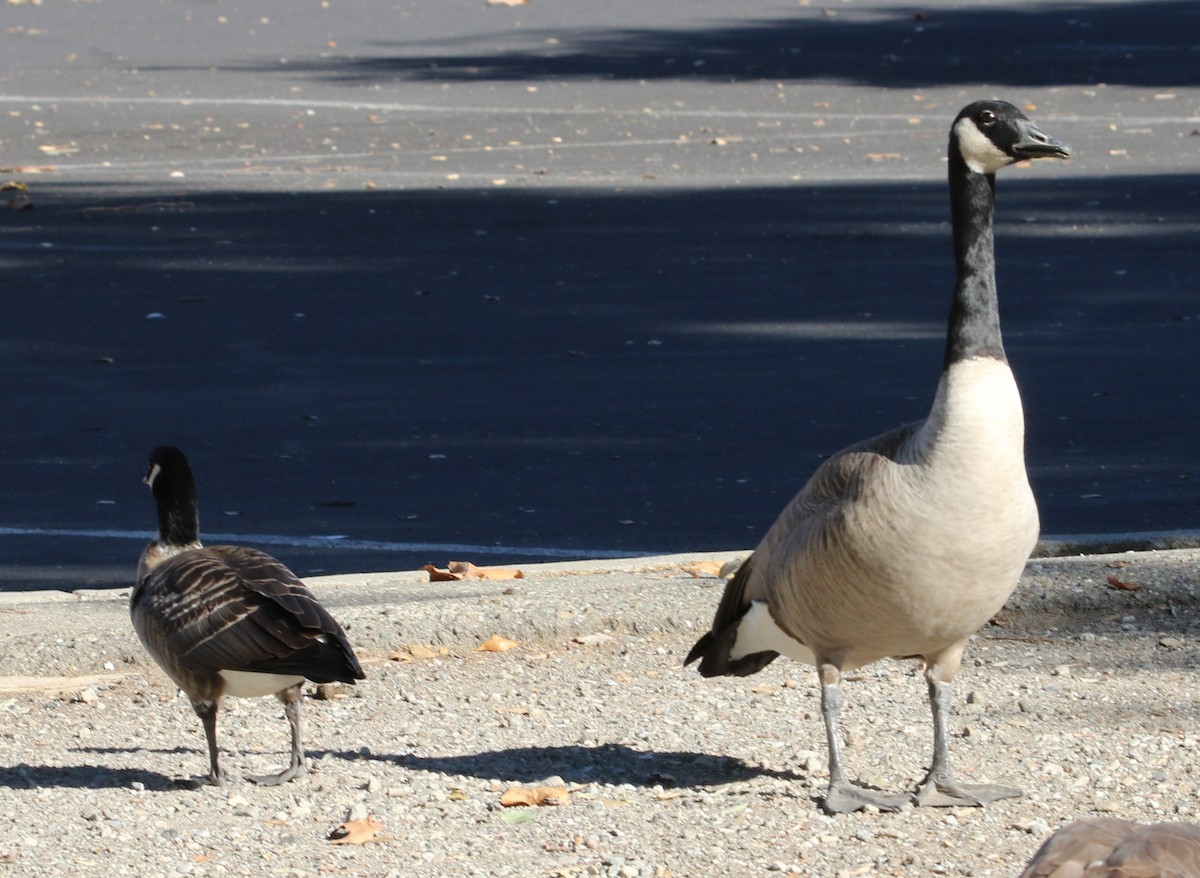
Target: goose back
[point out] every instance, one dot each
(236, 609)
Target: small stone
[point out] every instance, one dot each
(1170, 643)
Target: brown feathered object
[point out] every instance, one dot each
(229, 620)
(1108, 847)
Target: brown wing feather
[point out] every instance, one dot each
(1162, 850)
(809, 518)
(1067, 853)
(235, 608)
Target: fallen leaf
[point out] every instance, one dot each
(356, 831)
(532, 796)
(593, 639)
(703, 569)
(1120, 584)
(496, 643)
(457, 795)
(456, 571)
(515, 817)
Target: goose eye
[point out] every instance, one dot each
(987, 117)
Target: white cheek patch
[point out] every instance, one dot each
(981, 155)
(152, 475)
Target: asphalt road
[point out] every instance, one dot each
(416, 281)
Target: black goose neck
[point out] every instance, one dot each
(974, 329)
(178, 513)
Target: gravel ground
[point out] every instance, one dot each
(1081, 693)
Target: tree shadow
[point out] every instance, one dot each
(1130, 43)
(643, 371)
(605, 764)
(84, 776)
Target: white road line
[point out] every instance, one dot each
(336, 542)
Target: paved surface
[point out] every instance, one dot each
(569, 279)
(1081, 694)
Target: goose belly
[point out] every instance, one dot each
(917, 564)
(251, 684)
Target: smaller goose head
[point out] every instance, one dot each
(989, 135)
(167, 468)
(170, 480)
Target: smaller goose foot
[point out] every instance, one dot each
(203, 780)
(271, 780)
(846, 798)
(951, 794)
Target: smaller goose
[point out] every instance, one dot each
(228, 620)
(1108, 847)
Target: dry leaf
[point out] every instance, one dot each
(527, 796)
(356, 831)
(1120, 584)
(458, 794)
(704, 569)
(459, 570)
(496, 643)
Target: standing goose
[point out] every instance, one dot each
(228, 620)
(906, 544)
(1108, 847)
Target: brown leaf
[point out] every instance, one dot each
(356, 831)
(469, 571)
(1116, 582)
(526, 796)
(704, 569)
(496, 643)
(438, 575)
(459, 570)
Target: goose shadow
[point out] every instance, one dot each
(85, 776)
(605, 763)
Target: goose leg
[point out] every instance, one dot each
(291, 708)
(939, 788)
(207, 711)
(844, 797)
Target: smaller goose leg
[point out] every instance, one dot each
(844, 797)
(940, 789)
(207, 711)
(291, 709)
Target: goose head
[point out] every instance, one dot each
(988, 135)
(170, 480)
(166, 471)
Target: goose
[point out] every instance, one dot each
(904, 545)
(228, 620)
(1109, 847)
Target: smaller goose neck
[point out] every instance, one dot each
(974, 327)
(178, 514)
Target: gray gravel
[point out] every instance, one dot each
(1081, 693)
